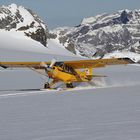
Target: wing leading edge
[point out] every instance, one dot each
(79, 64)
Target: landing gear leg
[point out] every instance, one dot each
(69, 85)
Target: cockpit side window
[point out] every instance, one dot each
(65, 67)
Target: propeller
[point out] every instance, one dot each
(52, 63)
(43, 64)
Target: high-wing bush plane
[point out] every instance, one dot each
(67, 71)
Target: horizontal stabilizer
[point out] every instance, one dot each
(95, 75)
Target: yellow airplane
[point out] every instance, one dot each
(67, 71)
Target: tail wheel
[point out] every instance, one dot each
(46, 85)
(69, 85)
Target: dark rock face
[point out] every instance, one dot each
(103, 34)
(123, 19)
(39, 35)
(24, 20)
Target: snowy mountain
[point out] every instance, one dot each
(106, 35)
(102, 35)
(22, 48)
(28, 37)
(20, 19)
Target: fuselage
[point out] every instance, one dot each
(60, 74)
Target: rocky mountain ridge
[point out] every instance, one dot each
(103, 34)
(100, 36)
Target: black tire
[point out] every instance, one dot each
(69, 85)
(46, 85)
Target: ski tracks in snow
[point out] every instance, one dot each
(8, 94)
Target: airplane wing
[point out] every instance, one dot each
(22, 64)
(98, 63)
(78, 64)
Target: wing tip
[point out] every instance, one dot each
(128, 60)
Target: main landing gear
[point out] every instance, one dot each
(69, 85)
(48, 85)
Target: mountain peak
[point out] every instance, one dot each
(20, 19)
(12, 6)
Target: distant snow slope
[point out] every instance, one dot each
(125, 54)
(15, 46)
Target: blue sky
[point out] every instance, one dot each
(70, 12)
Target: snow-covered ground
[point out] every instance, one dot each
(111, 112)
